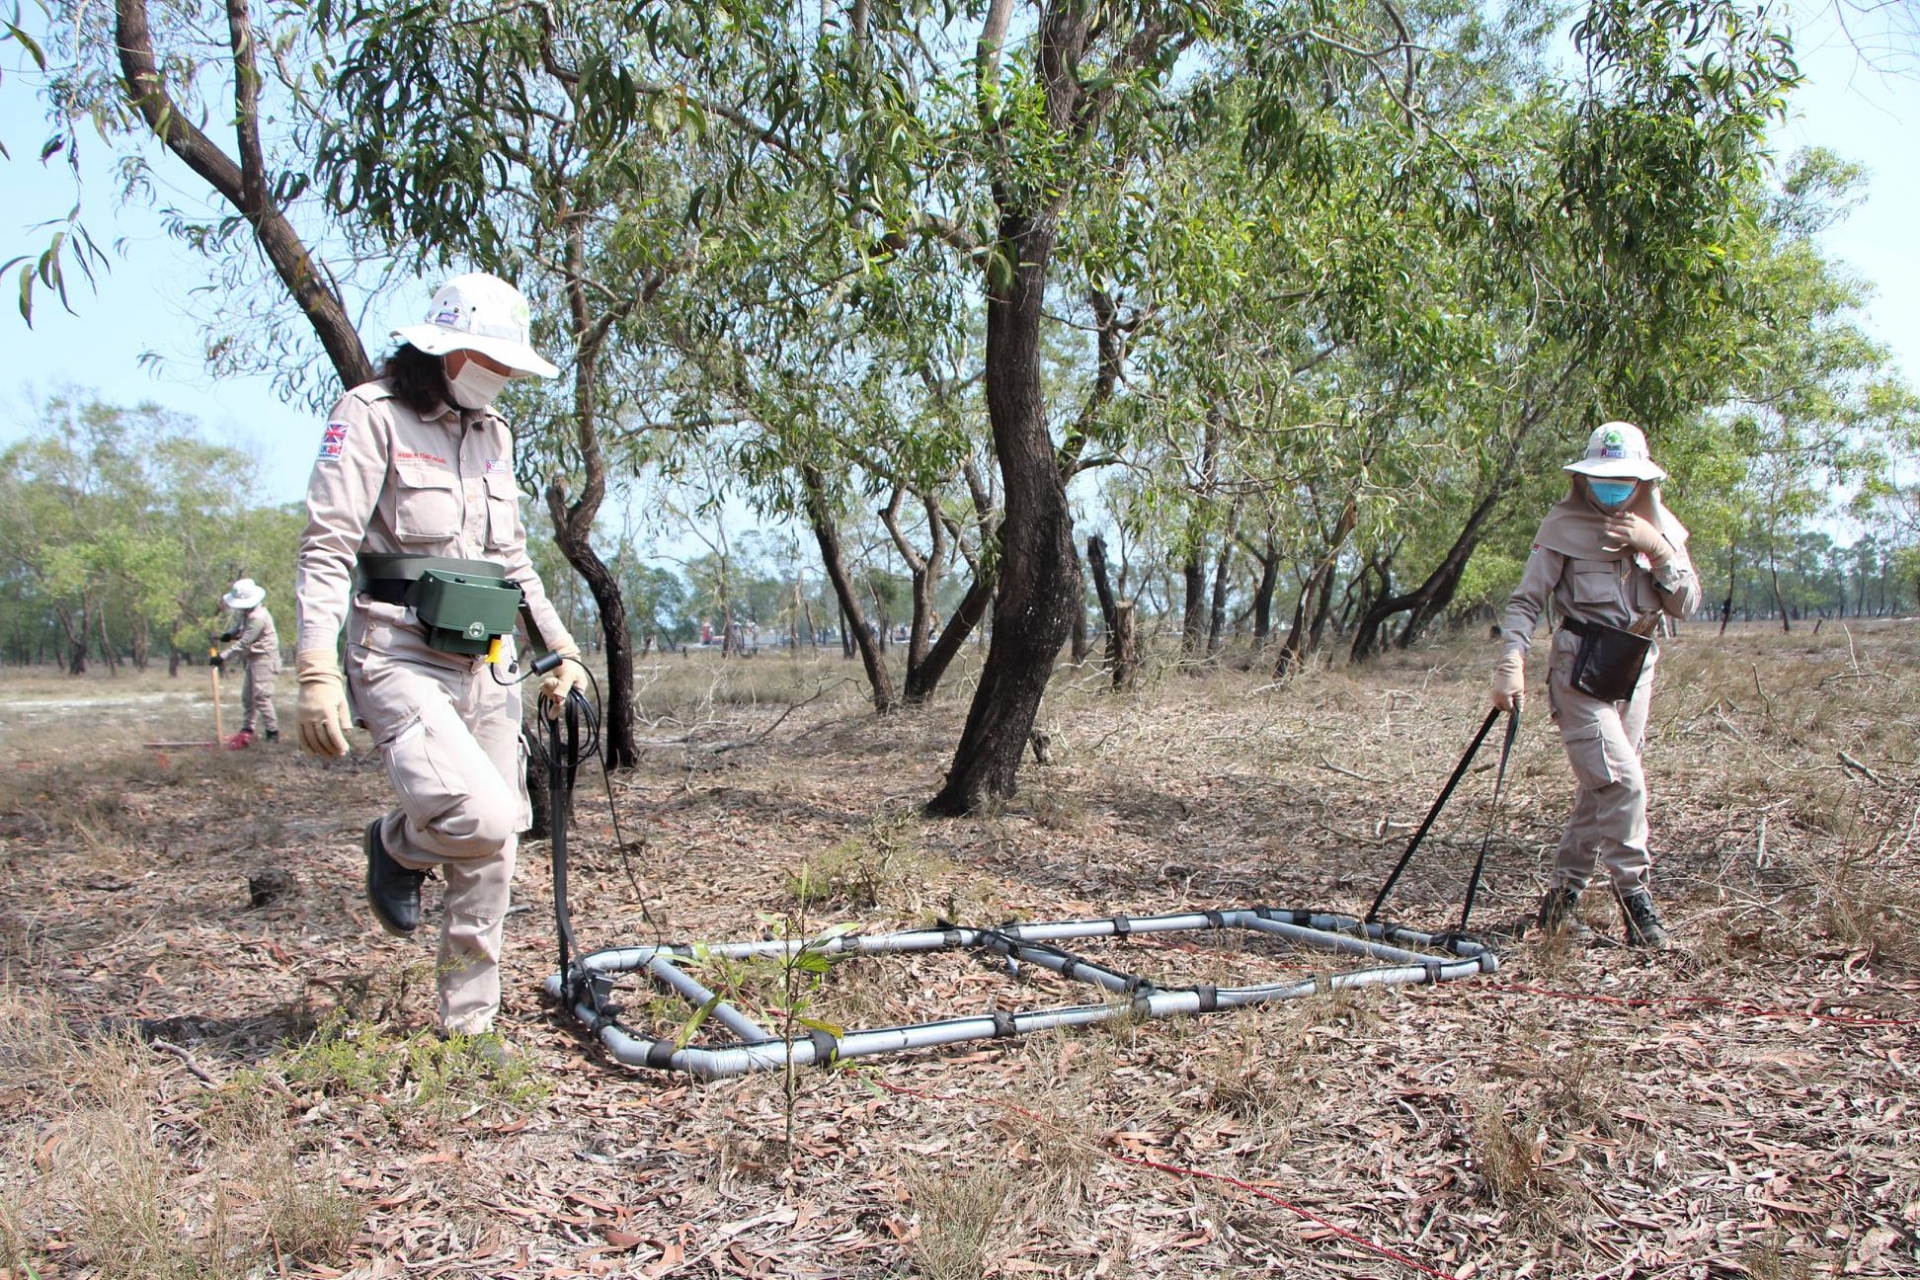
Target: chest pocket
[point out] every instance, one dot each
(503, 513)
(426, 505)
(1595, 582)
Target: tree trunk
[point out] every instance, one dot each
(1119, 617)
(1322, 611)
(1779, 600)
(1039, 575)
(1222, 564)
(1080, 641)
(245, 185)
(1733, 576)
(1433, 595)
(924, 678)
(77, 641)
(813, 486)
(573, 522)
(1263, 596)
(1193, 611)
(1126, 659)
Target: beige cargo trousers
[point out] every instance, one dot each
(449, 735)
(1604, 742)
(262, 675)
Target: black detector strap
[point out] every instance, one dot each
(1499, 784)
(561, 768)
(1459, 772)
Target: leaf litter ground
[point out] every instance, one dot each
(1736, 1108)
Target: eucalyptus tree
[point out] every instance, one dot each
(481, 136)
(129, 74)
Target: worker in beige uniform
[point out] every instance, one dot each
(253, 636)
(1612, 560)
(414, 543)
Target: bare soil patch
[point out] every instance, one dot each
(194, 1086)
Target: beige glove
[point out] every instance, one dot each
(563, 679)
(323, 716)
(1625, 529)
(1509, 680)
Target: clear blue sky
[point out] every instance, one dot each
(143, 303)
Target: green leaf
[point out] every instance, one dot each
(700, 1015)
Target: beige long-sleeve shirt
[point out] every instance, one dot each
(1616, 592)
(391, 481)
(257, 638)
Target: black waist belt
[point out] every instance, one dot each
(1574, 625)
(389, 577)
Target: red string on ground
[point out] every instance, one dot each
(1184, 1172)
(1654, 1002)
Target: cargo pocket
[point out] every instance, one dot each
(425, 793)
(1595, 582)
(426, 506)
(503, 513)
(1587, 752)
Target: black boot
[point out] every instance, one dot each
(392, 891)
(1558, 914)
(1644, 927)
(273, 735)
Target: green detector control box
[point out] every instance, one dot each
(463, 612)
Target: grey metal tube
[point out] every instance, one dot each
(1325, 931)
(690, 990)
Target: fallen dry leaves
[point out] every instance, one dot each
(1515, 1126)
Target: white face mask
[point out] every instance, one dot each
(475, 386)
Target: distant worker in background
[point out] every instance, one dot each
(1613, 561)
(414, 543)
(252, 635)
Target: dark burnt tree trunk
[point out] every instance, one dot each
(813, 487)
(76, 642)
(1319, 581)
(573, 521)
(1222, 565)
(1269, 560)
(1039, 575)
(1433, 594)
(1193, 611)
(1733, 572)
(1118, 616)
(1323, 609)
(1079, 638)
(923, 679)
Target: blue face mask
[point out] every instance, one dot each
(1612, 493)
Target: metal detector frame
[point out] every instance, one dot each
(586, 985)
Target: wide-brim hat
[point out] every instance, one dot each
(480, 313)
(246, 593)
(1617, 451)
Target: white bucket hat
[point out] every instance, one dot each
(1617, 451)
(246, 593)
(483, 313)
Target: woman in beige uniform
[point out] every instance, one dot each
(1610, 553)
(416, 464)
(254, 637)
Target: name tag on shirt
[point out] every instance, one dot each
(499, 466)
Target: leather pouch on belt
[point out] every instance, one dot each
(1609, 662)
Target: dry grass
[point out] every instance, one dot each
(139, 1189)
(1693, 1138)
(962, 1213)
